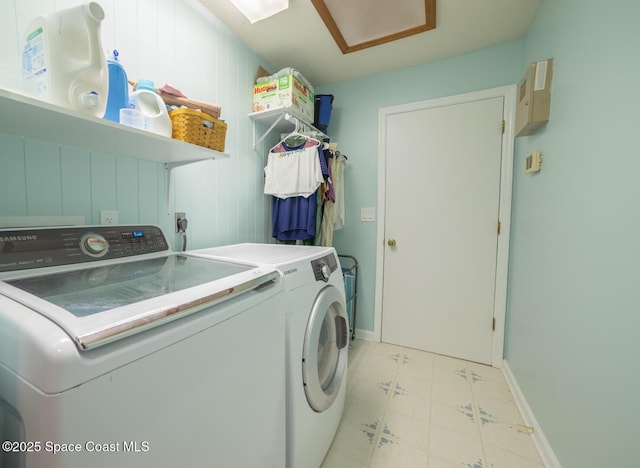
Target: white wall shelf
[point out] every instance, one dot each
(281, 121)
(27, 117)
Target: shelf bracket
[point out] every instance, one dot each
(169, 167)
(285, 116)
(276, 122)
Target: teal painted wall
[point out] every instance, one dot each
(573, 301)
(169, 41)
(354, 125)
(572, 313)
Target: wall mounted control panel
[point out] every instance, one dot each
(534, 98)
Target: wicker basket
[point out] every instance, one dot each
(198, 128)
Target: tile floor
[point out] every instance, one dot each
(407, 408)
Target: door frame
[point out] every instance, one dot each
(506, 182)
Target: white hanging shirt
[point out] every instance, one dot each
(293, 173)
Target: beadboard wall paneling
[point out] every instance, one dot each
(13, 187)
(76, 181)
(44, 176)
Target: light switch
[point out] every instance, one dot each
(367, 214)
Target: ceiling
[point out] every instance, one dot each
(358, 24)
(298, 37)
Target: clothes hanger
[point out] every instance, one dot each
(309, 141)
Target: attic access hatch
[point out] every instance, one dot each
(359, 24)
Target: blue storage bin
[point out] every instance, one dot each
(322, 111)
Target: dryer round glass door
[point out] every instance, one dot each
(324, 359)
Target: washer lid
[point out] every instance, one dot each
(101, 304)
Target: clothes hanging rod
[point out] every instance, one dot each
(284, 115)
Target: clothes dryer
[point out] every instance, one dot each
(317, 341)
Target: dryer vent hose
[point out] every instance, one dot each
(182, 227)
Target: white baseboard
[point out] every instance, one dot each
(542, 444)
(365, 335)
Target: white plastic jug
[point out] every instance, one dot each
(150, 104)
(63, 62)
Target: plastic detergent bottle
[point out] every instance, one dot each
(118, 97)
(63, 62)
(146, 100)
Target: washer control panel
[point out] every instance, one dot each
(324, 266)
(24, 249)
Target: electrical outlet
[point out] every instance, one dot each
(179, 215)
(108, 217)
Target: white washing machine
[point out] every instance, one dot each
(317, 342)
(115, 351)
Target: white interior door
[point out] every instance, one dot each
(442, 200)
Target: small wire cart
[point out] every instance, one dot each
(350, 273)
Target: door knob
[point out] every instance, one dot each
(391, 242)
